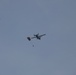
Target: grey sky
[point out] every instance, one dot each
(55, 54)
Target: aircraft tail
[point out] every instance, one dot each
(29, 38)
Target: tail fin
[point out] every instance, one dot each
(29, 38)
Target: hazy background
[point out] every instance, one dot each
(55, 54)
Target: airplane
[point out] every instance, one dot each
(37, 36)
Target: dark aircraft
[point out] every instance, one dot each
(36, 36)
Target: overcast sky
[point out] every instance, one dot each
(54, 54)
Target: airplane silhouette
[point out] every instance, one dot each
(36, 36)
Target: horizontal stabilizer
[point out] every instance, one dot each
(29, 38)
